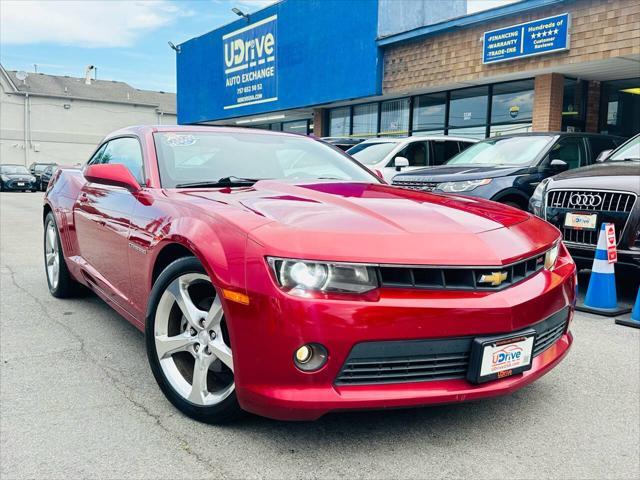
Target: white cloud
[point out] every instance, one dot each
(97, 23)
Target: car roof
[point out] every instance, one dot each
(418, 138)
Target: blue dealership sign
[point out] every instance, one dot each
(251, 64)
(546, 35)
(292, 54)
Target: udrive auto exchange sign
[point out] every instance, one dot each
(250, 66)
(546, 35)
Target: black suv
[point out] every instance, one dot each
(36, 169)
(508, 168)
(578, 202)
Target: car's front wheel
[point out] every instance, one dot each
(188, 343)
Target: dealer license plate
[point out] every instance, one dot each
(499, 357)
(581, 221)
(20, 184)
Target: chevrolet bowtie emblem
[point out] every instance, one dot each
(495, 279)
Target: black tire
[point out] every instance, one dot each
(66, 287)
(228, 409)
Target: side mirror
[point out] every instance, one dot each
(400, 162)
(112, 174)
(603, 156)
(558, 165)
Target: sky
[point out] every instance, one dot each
(125, 40)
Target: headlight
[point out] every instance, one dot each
(33, 179)
(300, 276)
(551, 257)
(4, 178)
(466, 186)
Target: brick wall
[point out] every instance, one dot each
(547, 102)
(320, 129)
(593, 107)
(600, 29)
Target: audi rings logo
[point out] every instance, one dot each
(585, 200)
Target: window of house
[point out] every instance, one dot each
(512, 102)
(365, 120)
(429, 112)
(395, 117)
(468, 108)
(339, 122)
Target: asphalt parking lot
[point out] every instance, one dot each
(77, 399)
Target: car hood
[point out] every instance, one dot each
(377, 223)
(608, 176)
(454, 173)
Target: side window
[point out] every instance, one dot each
(443, 150)
(464, 145)
(125, 151)
(570, 150)
(97, 157)
(599, 144)
(416, 153)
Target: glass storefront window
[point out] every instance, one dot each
(497, 130)
(512, 102)
(471, 132)
(365, 120)
(429, 112)
(620, 104)
(468, 107)
(299, 126)
(395, 117)
(573, 103)
(339, 122)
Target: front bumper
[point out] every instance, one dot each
(266, 333)
(12, 185)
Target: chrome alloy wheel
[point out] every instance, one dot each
(192, 340)
(52, 255)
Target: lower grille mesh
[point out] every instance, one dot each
(428, 360)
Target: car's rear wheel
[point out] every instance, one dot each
(188, 343)
(61, 284)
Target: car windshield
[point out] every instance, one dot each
(371, 153)
(503, 151)
(14, 170)
(206, 157)
(40, 167)
(629, 151)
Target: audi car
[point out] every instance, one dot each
(16, 178)
(273, 274)
(508, 168)
(578, 202)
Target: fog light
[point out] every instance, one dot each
(310, 357)
(303, 354)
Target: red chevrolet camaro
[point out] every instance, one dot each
(272, 273)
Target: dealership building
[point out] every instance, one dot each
(367, 68)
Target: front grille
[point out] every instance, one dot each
(428, 360)
(423, 186)
(451, 278)
(611, 207)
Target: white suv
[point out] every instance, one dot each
(390, 156)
